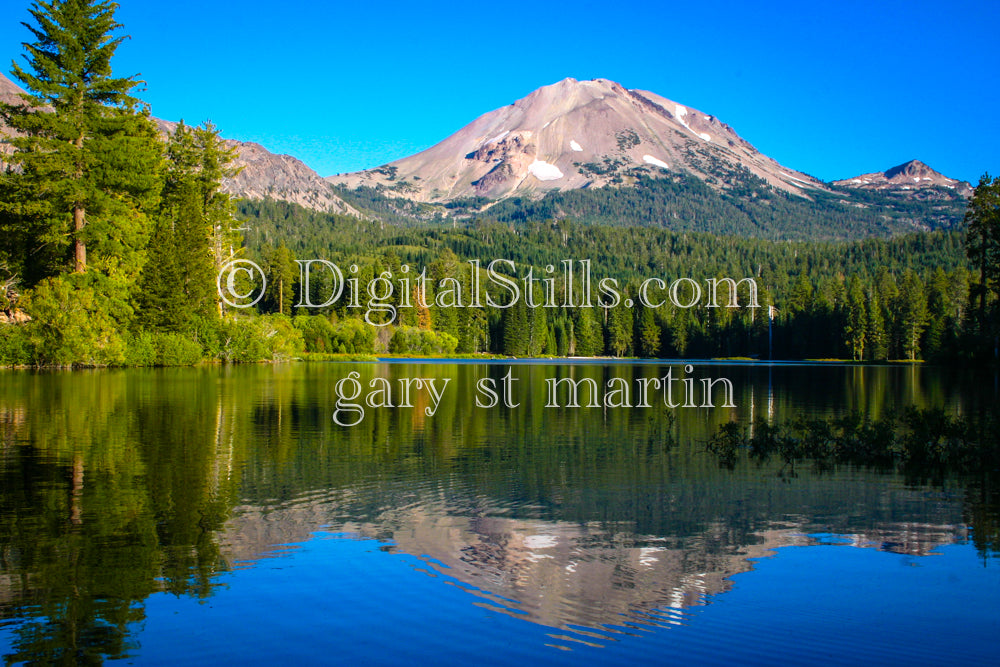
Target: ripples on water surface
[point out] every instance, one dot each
(218, 515)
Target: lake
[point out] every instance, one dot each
(221, 515)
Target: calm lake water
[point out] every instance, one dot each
(220, 515)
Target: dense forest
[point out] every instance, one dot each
(112, 239)
(905, 297)
(736, 203)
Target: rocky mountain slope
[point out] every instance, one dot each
(573, 135)
(264, 175)
(913, 176)
(9, 94)
(9, 91)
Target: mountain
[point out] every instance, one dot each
(9, 91)
(9, 94)
(913, 176)
(574, 135)
(264, 175)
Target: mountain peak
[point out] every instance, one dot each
(912, 175)
(911, 169)
(578, 134)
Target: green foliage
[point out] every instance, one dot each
(77, 320)
(587, 333)
(263, 338)
(192, 232)
(16, 348)
(241, 340)
(620, 333)
(282, 276)
(207, 332)
(140, 349)
(320, 335)
(173, 349)
(982, 221)
(412, 340)
(627, 139)
(88, 155)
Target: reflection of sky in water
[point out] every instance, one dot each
(348, 600)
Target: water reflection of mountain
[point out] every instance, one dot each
(592, 574)
(115, 485)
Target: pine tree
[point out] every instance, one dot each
(887, 295)
(620, 330)
(538, 331)
(446, 265)
(87, 151)
(878, 340)
(982, 219)
(649, 334)
(282, 273)
(800, 299)
(857, 326)
(215, 165)
(911, 310)
(587, 333)
(179, 280)
(938, 306)
(516, 329)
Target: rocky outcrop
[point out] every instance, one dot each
(14, 317)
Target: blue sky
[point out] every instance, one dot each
(832, 88)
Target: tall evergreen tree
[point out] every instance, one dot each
(982, 219)
(87, 151)
(620, 331)
(219, 208)
(878, 339)
(911, 312)
(649, 333)
(516, 329)
(587, 333)
(938, 307)
(282, 274)
(179, 280)
(856, 327)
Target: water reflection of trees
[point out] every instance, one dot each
(104, 500)
(923, 446)
(115, 485)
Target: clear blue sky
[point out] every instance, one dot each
(830, 88)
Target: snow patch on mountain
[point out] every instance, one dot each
(496, 138)
(544, 171)
(649, 159)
